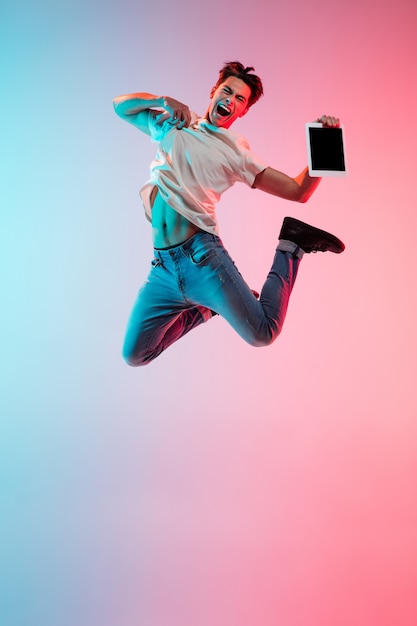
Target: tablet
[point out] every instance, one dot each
(325, 150)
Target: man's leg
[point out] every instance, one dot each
(211, 279)
(258, 322)
(215, 282)
(189, 283)
(160, 316)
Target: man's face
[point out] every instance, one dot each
(229, 101)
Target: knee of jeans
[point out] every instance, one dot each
(134, 359)
(131, 360)
(264, 338)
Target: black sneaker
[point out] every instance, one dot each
(309, 238)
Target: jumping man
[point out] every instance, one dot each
(192, 276)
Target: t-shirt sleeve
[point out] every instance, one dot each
(251, 163)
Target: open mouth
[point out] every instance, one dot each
(222, 111)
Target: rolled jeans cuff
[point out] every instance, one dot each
(289, 246)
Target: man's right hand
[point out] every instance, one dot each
(176, 113)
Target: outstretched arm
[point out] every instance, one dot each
(134, 108)
(299, 188)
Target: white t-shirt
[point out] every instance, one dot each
(195, 165)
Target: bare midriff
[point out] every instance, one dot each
(169, 228)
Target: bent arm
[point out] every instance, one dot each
(134, 107)
(134, 103)
(298, 189)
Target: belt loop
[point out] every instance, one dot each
(159, 257)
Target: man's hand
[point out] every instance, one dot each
(175, 112)
(329, 121)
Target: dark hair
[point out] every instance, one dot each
(234, 68)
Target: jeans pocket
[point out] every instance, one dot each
(202, 256)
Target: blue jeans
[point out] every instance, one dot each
(190, 282)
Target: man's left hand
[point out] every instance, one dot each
(328, 121)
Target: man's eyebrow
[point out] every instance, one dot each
(238, 95)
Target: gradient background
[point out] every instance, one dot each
(221, 485)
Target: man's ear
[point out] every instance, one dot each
(244, 112)
(213, 89)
